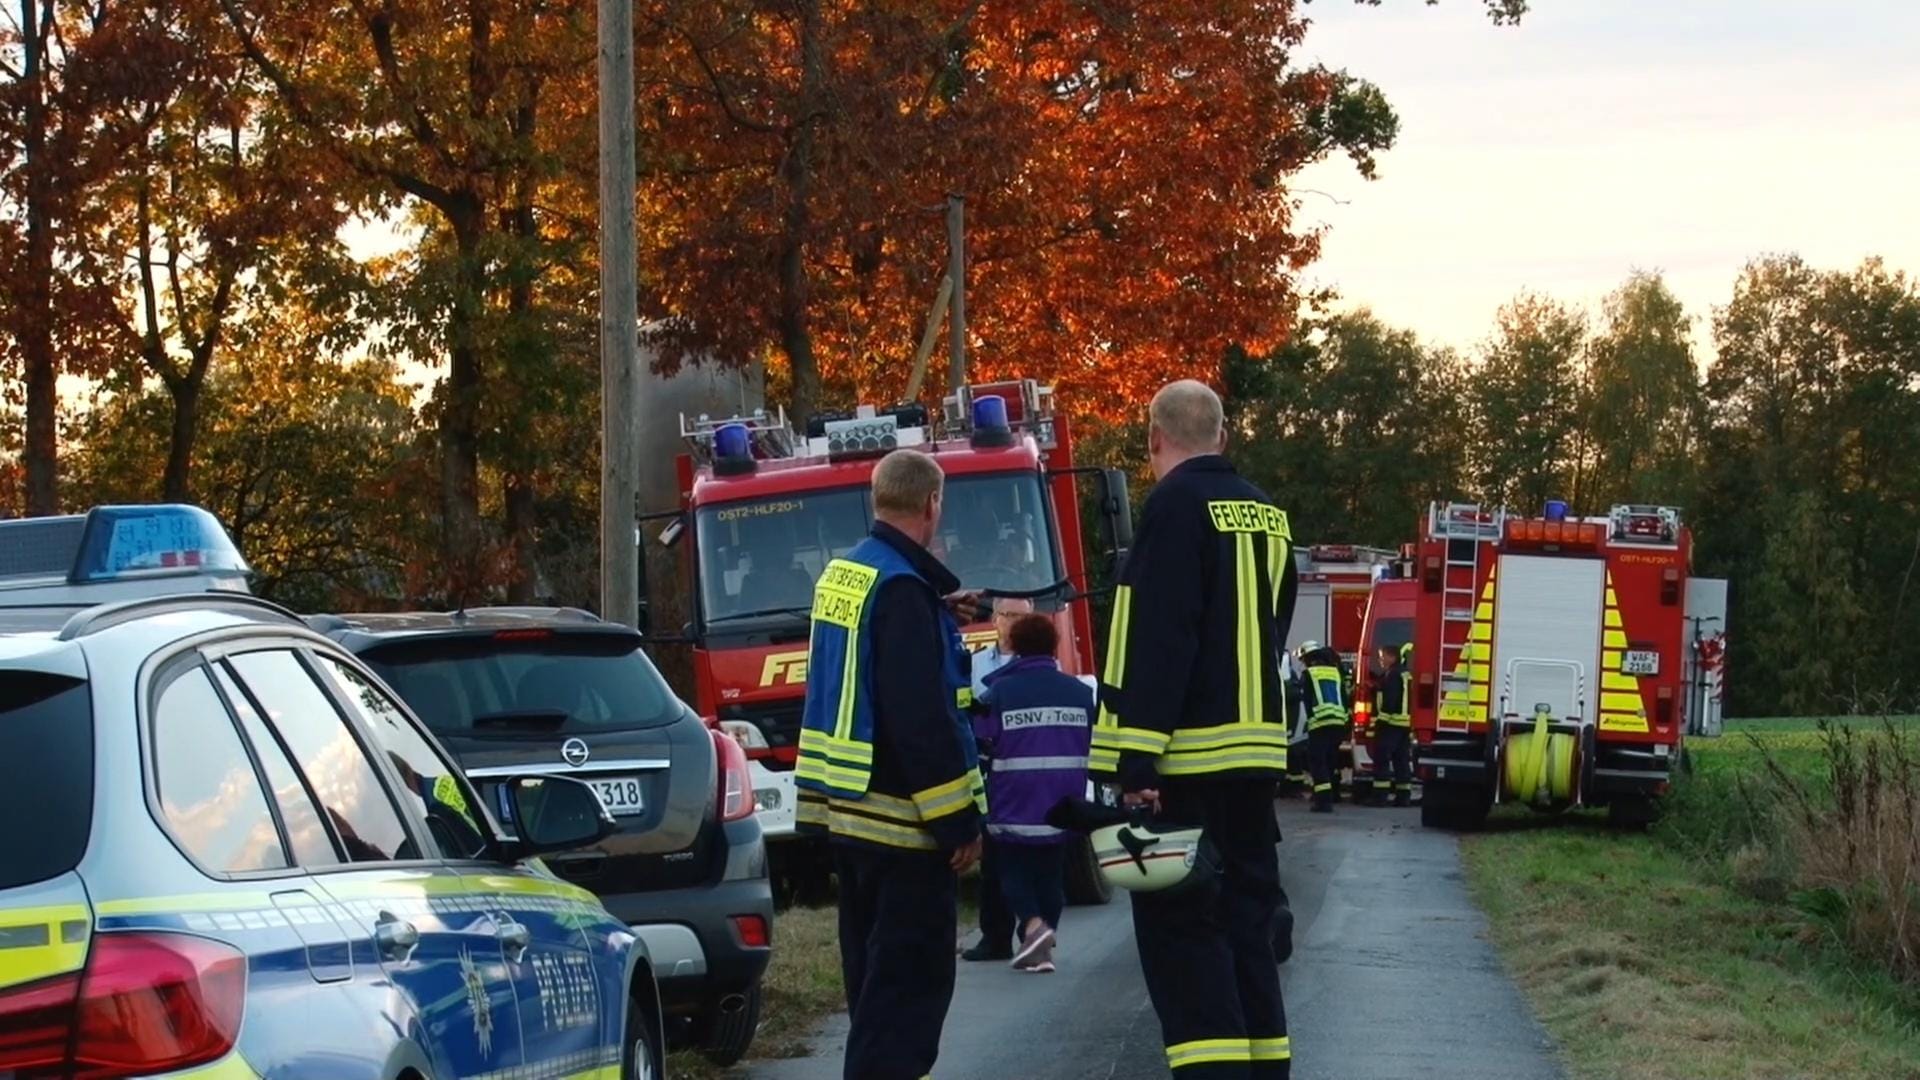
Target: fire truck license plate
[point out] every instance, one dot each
(620, 794)
(1640, 662)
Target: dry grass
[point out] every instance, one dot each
(1640, 967)
(1749, 936)
(802, 986)
(1853, 844)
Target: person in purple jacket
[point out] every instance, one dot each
(1039, 725)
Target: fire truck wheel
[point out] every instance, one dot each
(1632, 812)
(1086, 885)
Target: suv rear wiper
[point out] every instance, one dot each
(760, 614)
(540, 718)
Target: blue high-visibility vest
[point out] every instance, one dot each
(1326, 704)
(836, 726)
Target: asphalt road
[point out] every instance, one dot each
(1391, 978)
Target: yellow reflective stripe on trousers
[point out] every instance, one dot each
(1247, 626)
(1270, 1049)
(40, 942)
(943, 799)
(1208, 1052)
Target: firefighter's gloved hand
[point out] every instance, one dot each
(1139, 777)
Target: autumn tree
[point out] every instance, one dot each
(1124, 167)
(440, 106)
(309, 462)
(67, 66)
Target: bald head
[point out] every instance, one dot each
(1185, 421)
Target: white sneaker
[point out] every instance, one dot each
(1035, 949)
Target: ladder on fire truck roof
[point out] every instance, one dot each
(1465, 528)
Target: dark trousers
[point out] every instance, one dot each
(898, 917)
(997, 929)
(1033, 877)
(1392, 759)
(1207, 952)
(1323, 759)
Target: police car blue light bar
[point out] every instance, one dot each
(115, 553)
(122, 541)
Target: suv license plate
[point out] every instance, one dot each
(1640, 662)
(619, 794)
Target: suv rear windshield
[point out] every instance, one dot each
(48, 720)
(543, 682)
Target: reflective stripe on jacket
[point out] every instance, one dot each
(1393, 701)
(1326, 704)
(1037, 728)
(1194, 681)
(865, 775)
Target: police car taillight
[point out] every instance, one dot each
(134, 541)
(152, 1003)
(36, 1026)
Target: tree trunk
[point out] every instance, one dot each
(523, 587)
(36, 318)
(186, 423)
(459, 428)
(796, 339)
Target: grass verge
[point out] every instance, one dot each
(1653, 955)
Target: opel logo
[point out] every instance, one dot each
(574, 752)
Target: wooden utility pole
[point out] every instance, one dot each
(957, 307)
(619, 322)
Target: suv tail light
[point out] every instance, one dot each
(146, 1003)
(733, 785)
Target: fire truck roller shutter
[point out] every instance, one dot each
(1548, 619)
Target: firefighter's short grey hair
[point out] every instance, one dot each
(1189, 415)
(904, 481)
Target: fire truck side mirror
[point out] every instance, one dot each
(1117, 505)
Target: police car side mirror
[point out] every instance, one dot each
(555, 813)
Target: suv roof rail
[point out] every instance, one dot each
(557, 614)
(106, 616)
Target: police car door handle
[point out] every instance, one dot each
(395, 938)
(514, 938)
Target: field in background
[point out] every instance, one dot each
(1687, 951)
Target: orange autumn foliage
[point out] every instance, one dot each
(1124, 166)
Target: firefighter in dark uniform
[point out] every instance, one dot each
(1327, 720)
(1393, 727)
(1193, 722)
(888, 769)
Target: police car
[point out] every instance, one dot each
(230, 852)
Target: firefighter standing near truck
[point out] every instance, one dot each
(1328, 723)
(1193, 725)
(1393, 727)
(888, 767)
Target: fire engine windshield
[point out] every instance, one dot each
(760, 558)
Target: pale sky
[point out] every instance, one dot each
(1600, 136)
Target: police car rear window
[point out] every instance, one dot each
(557, 683)
(47, 720)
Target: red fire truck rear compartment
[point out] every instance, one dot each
(1550, 657)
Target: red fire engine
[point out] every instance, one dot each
(1553, 658)
(767, 509)
(1387, 624)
